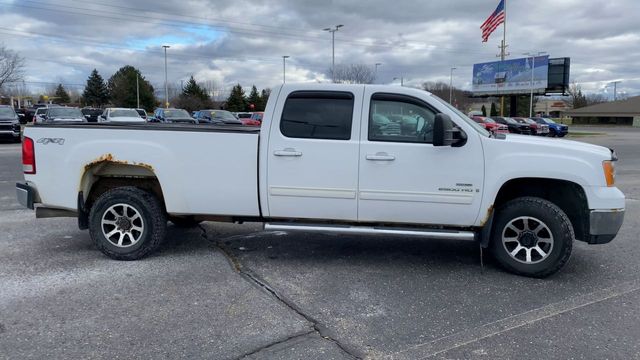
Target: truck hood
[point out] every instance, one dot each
(558, 146)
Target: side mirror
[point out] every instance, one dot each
(442, 130)
(445, 134)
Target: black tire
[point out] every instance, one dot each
(561, 135)
(552, 132)
(558, 228)
(184, 221)
(153, 222)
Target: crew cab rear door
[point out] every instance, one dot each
(313, 154)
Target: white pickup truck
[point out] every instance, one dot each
(351, 159)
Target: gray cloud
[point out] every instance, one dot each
(418, 40)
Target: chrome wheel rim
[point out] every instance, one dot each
(527, 240)
(122, 225)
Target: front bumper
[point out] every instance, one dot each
(604, 225)
(26, 195)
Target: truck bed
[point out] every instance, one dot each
(202, 169)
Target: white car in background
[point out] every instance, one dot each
(120, 115)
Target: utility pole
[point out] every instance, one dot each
(138, 90)
(533, 68)
(333, 50)
(375, 74)
(401, 80)
(166, 86)
(615, 89)
(451, 86)
(284, 69)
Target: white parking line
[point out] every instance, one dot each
(450, 342)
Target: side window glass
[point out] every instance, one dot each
(318, 115)
(399, 121)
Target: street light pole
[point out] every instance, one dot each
(333, 50)
(615, 89)
(284, 69)
(451, 86)
(166, 86)
(533, 68)
(401, 80)
(138, 89)
(375, 74)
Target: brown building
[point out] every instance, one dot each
(622, 112)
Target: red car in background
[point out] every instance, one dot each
(491, 125)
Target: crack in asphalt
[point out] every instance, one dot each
(245, 355)
(254, 279)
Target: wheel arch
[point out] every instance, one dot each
(569, 196)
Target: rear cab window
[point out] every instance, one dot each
(318, 115)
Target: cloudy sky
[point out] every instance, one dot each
(226, 42)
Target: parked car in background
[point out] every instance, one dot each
(173, 116)
(22, 115)
(555, 129)
(513, 126)
(120, 115)
(532, 127)
(40, 110)
(243, 115)
(9, 123)
(491, 125)
(63, 113)
(92, 114)
(216, 117)
(542, 129)
(257, 116)
(142, 113)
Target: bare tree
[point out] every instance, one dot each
(460, 99)
(11, 66)
(354, 74)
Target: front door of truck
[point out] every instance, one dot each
(313, 154)
(403, 177)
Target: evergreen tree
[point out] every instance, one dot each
(484, 110)
(62, 96)
(254, 99)
(493, 111)
(193, 97)
(95, 92)
(236, 100)
(122, 89)
(264, 97)
(192, 89)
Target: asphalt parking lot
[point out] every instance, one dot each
(227, 291)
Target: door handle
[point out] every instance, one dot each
(287, 152)
(380, 157)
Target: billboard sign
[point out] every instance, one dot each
(510, 76)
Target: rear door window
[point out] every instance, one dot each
(318, 115)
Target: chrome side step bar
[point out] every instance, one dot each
(368, 230)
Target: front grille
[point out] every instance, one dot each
(6, 127)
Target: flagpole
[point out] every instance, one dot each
(503, 50)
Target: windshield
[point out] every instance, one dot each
(479, 128)
(7, 113)
(65, 113)
(548, 120)
(176, 114)
(510, 120)
(124, 113)
(489, 120)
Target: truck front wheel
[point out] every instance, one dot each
(127, 223)
(531, 237)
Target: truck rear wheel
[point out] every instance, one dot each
(127, 223)
(531, 237)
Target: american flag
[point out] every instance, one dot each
(492, 22)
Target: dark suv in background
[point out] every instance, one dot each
(514, 126)
(9, 123)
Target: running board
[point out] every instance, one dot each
(367, 230)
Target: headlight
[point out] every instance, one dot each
(609, 172)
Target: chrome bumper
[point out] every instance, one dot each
(604, 225)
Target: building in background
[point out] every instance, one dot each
(622, 112)
(551, 107)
